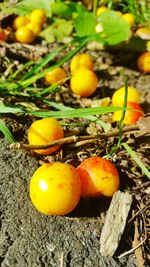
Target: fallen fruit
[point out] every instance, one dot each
(81, 60)
(44, 131)
(55, 188)
(55, 76)
(20, 21)
(100, 10)
(143, 62)
(131, 116)
(129, 18)
(143, 33)
(84, 82)
(3, 36)
(24, 35)
(119, 95)
(35, 28)
(38, 16)
(98, 177)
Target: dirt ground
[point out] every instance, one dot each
(30, 239)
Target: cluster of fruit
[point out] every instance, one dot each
(56, 188)
(28, 27)
(83, 80)
(134, 111)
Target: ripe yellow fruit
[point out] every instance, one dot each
(81, 60)
(118, 96)
(24, 35)
(143, 33)
(55, 188)
(44, 131)
(20, 21)
(55, 76)
(35, 28)
(38, 16)
(143, 62)
(84, 82)
(128, 17)
(100, 10)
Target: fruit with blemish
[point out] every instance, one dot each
(55, 188)
(44, 131)
(98, 177)
(131, 116)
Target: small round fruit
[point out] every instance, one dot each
(24, 35)
(143, 62)
(3, 36)
(81, 60)
(128, 17)
(35, 28)
(98, 177)
(20, 21)
(55, 76)
(118, 96)
(131, 116)
(100, 10)
(44, 131)
(143, 33)
(55, 188)
(38, 16)
(84, 82)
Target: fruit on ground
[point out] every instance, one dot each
(44, 131)
(84, 82)
(98, 177)
(36, 28)
(20, 21)
(143, 62)
(129, 18)
(81, 60)
(24, 35)
(100, 10)
(131, 116)
(118, 96)
(143, 33)
(55, 188)
(55, 76)
(3, 36)
(38, 16)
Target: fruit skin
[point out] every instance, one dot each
(131, 116)
(128, 17)
(84, 82)
(38, 16)
(3, 36)
(55, 76)
(24, 35)
(55, 188)
(118, 96)
(143, 62)
(100, 10)
(35, 28)
(98, 177)
(143, 33)
(19, 22)
(81, 60)
(44, 131)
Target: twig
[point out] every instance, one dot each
(74, 139)
(62, 260)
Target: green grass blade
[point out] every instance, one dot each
(136, 159)
(29, 81)
(9, 109)
(4, 129)
(42, 63)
